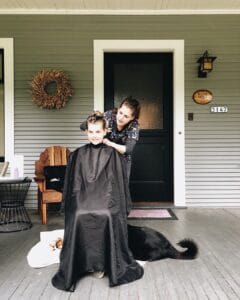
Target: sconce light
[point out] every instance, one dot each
(206, 64)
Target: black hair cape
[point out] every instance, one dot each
(96, 204)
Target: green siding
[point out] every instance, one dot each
(1, 120)
(66, 42)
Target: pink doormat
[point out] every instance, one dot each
(148, 213)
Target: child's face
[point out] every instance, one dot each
(96, 133)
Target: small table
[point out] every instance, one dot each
(13, 214)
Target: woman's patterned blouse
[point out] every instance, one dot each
(128, 134)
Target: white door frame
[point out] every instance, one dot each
(177, 48)
(7, 45)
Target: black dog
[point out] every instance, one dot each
(149, 245)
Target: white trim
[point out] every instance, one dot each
(7, 45)
(214, 205)
(119, 12)
(175, 46)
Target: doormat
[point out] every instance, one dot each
(149, 213)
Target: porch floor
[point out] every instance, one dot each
(214, 275)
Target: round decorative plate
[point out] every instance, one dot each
(202, 96)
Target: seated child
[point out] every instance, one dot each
(96, 204)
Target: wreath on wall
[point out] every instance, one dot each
(51, 89)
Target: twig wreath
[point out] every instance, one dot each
(62, 91)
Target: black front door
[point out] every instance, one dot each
(148, 78)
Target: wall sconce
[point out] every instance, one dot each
(206, 64)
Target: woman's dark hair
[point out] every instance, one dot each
(95, 117)
(133, 104)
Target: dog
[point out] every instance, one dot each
(149, 245)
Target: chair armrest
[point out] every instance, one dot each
(41, 182)
(39, 178)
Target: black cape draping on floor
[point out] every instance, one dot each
(96, 204)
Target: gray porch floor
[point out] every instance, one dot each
(214, 275)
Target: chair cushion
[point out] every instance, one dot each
(54, 177)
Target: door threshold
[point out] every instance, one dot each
(153, 204)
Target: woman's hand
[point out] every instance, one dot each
(107, 142)
(120, 148)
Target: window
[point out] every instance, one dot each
(7, 100)
(2, 119)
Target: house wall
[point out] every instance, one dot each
(1, 120)
(66, 42)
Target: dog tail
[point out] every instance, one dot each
(191, 252)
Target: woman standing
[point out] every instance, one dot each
(123, 128)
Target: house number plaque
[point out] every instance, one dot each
(218, 109)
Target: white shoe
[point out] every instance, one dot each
(98, 275)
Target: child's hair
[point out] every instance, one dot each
(133, 104)
(95, 117)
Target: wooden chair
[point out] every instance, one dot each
(51, 156)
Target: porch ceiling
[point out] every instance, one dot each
(119, 7)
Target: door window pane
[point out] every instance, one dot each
(145, 83)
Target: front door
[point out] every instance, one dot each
(148, 78)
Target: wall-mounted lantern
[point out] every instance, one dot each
(206, 64)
